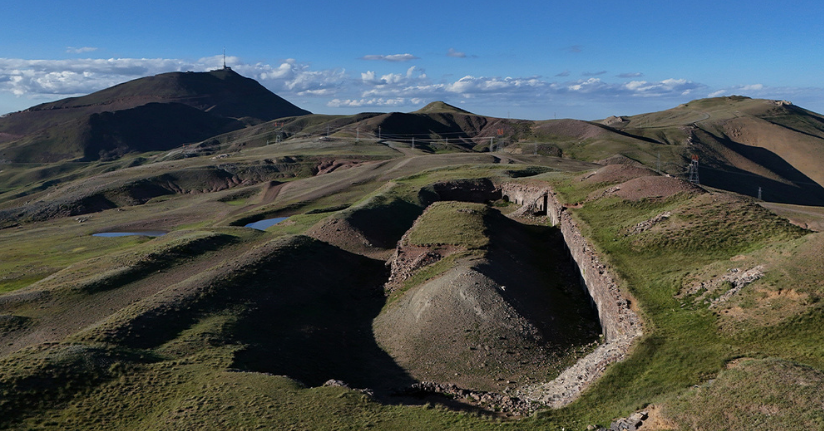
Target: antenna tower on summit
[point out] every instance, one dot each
(224, 58)
(694, 170)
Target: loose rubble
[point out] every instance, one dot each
(488, 400)
(649, 224)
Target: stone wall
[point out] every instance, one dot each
(532, 199)
(617, 319)
(619, 323)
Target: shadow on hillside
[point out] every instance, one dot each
(541, 280)
(383, 226)
(745, 183)
(314, 322)
(803, 191)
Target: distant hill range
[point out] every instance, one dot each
(748, 146)
(147, 114)
(743, 145)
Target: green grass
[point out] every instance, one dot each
(683, 345)
(455, 223)
(757, 394)
(182, 379)
(116, 269)
(29, 258)
(296, 224)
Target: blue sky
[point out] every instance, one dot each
(523, 59)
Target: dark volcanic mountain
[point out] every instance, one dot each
(152, 113)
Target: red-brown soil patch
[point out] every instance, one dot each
(574, 128)
(330, 165)
(616, 174)
(653, 187)
(340, 233)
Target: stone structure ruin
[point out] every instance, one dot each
(621, 326)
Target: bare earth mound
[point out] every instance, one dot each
(616, 173)
(653, 187)
(507, 313)
(567, 127)
(459, 328)
(340, 233)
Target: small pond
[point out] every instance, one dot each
(263, 224)
(144, 233)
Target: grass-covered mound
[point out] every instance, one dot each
(487, 316)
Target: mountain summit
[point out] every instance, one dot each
(441, 107)
(152, 113)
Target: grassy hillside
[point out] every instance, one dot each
(679, 270)
(399, 264)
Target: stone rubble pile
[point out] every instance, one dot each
(488, 400)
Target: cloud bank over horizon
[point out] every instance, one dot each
(339, 90)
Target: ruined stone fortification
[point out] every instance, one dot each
(619, 323)
(531, 198)
(617, 319)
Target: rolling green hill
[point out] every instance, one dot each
(403, 290)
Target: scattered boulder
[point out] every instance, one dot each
(649, 224)
(631, 423)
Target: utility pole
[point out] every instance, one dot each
(492, 144)
(694, 170)
(413, 142)
(759, 193)
(327, 132)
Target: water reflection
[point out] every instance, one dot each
(264, 224)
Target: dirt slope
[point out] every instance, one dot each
(490, 321)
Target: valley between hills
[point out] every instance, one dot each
(437, 269)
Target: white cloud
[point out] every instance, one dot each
(39, 79)
(392, 57)
(455, 54)
(809, 97)
(44, 80)
(357, 103)
(73, 50)
(35, 78)
(754, 87)
(665, 88)
(473, 85)
(753, 90)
